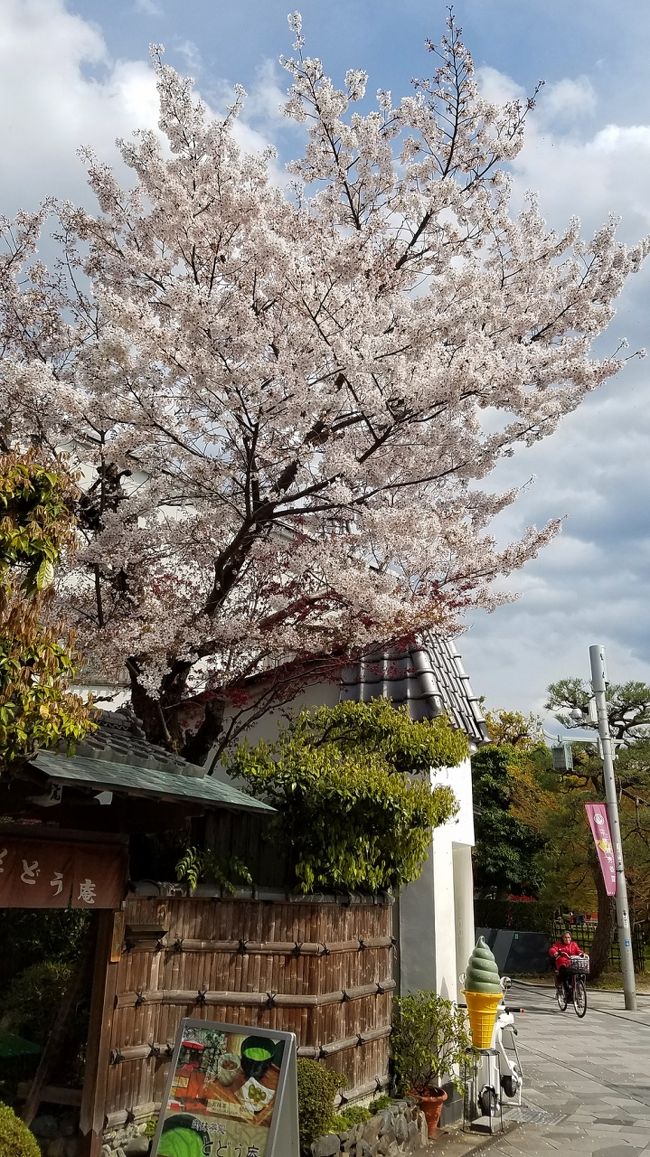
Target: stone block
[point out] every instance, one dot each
(326, 1146)
(385, 1118)
(401, 1130)
(414, 1132)
(372, 1130)
(385, 1145)
(138, 1145)
(423, 1127)
(45, 1126)
(363, 1149)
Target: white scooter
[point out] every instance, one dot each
(498, 1073)
(510, 1074)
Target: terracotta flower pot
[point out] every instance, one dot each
(431, 1105)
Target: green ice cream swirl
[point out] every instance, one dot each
(482, 974)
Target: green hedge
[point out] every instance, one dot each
(15, 1138)
(521, 917)
(317, 1088)
(33, 997)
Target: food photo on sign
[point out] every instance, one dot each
(223, 1093)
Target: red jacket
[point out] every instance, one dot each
(560, 949)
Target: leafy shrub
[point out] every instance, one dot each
(317, 1088)
(429, 1039)
(197, 864)
(351, 1116)
(33, 935)
(379, 1103)
(33, 998)
(351, 807)
(16, 1140)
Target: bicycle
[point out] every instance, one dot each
(572, 987)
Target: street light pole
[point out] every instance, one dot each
(599, 684)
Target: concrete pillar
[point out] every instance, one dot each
(415, 933)
(444, 915)
(463, 903)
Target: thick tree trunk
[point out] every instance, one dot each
(197, 747)
(189, 727)
(150, 715)
(599, 952)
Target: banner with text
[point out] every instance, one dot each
(53, 874)
(599, 824)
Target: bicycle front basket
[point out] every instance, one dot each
(580, 965)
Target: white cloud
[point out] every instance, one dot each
(268, 96)
(568, 100)
(61, 90)
(495, 86)
(148, 7)
(191, 55)
(591, 584)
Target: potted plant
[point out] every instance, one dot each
(429, 1043)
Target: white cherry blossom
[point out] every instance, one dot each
(284, 400)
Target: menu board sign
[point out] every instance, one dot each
(232, 1092)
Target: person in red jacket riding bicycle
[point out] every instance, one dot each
(560, 953)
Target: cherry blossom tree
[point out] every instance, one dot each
(285, 397)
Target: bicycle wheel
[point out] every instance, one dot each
(560, 996)
(579, 996)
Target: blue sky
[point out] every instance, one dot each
(526, 38)
(76, 72)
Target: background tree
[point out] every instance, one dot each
(277, 393)
(36, 659)
(514, 729)
(507, 854)
(628, 708)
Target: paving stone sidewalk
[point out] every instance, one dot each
(587, 1082)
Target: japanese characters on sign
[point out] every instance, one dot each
(231, 1093)
(599, 824)
(53, 874)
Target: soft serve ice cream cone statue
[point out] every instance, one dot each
(483, 994)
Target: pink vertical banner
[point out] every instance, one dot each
(599, 824)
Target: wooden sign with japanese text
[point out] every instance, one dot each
(38, 873)
(232, 1092)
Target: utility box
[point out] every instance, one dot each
(562, 757)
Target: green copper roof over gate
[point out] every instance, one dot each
(126, 778)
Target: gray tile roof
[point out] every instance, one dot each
(120, 739)
(427, 676)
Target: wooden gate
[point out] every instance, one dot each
(315, 966)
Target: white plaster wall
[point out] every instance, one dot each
(459, 779)
(323, 694)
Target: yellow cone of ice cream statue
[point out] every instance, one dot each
(483, 994)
